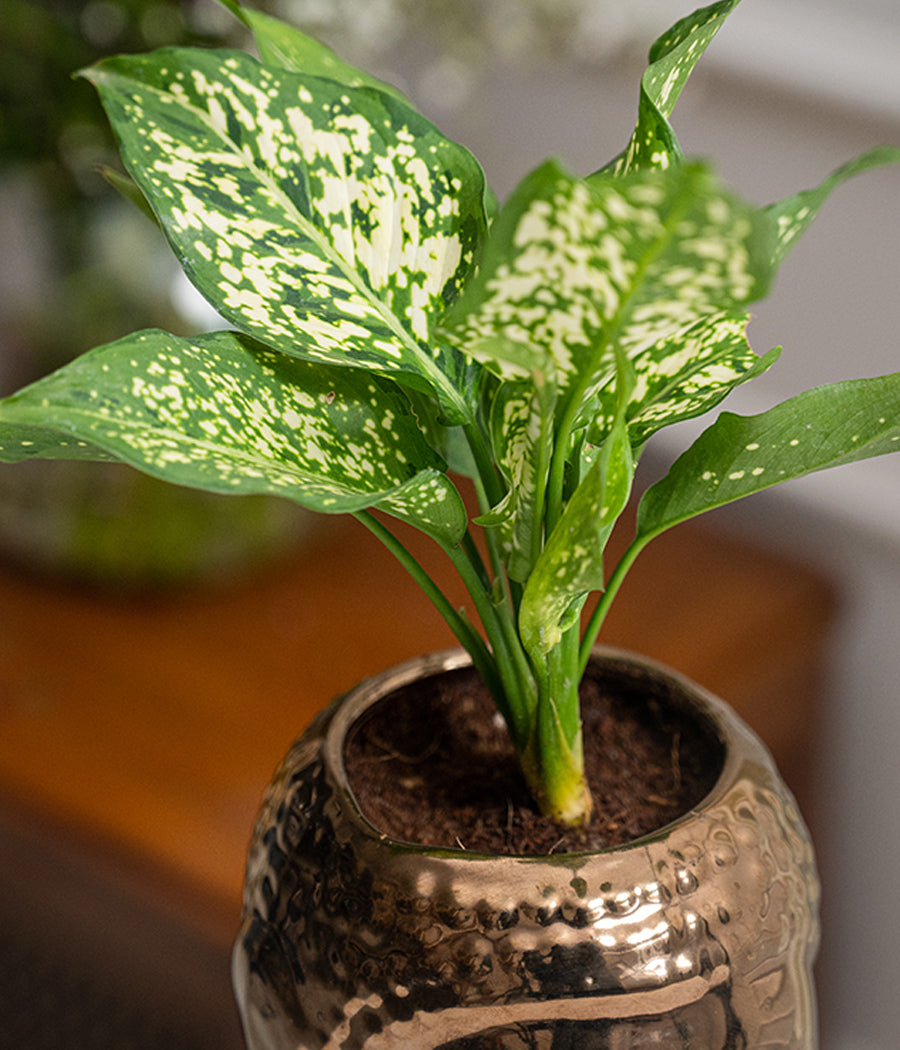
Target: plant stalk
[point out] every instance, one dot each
(554, 761)
(598, 616)
(462, 629)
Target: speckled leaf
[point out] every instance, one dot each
(737, 455)
(280, 44)
(330, 222)
(690, 373)
(222, 413)
(571, 563)
(651, 265)
(672, 59)
(655, 263)
(793, 215)
(22, 441)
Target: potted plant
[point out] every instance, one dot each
(99, 523)
(393, 328)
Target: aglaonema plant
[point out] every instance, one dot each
(391, 327)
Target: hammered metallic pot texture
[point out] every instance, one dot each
(700, 936)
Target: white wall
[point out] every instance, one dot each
(836, 309)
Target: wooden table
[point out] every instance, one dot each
(138, 732)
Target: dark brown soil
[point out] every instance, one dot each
(433, 765)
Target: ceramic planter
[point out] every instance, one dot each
(700, 936)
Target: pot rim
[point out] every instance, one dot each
(734, 736)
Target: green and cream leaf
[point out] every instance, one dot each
(671, 61)
(571, 564)
(330, 222)
(23, 441)
(653, 266)
(223, 413)
(687, 375)
(793, 215)
(509, 315)
(656, 263)
(520, 422)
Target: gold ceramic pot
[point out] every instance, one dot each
(700, 936)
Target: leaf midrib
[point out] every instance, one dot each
(576, 399)
(37, 417)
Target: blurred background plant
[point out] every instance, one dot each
(80, 264)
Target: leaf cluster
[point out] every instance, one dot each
(391, 327)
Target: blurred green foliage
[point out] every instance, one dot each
(43, 42)
(81, 265)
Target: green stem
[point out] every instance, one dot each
(565, 675)
(598, 616)
(517, 689)
(504, 606)
(499, 609)
(491, 485)
(489, 489)
(555, 763)
(465, 633)
(556, 478)
(474, 555)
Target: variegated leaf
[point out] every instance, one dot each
(571, 564)
(650, 265)
(520, 421)
(793, 215)
(225, 414)
(654, 263)
(330, 222)
(671, 61)
(687, 375)
(737, 456)
(23, 441)
(517, 312)
(280, 44)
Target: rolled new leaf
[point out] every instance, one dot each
(671, 61)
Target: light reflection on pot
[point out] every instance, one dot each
(699, 936)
